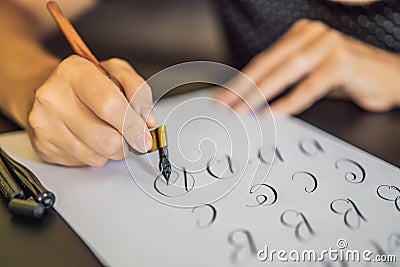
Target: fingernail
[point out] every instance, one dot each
(144, 142)
(148, 114)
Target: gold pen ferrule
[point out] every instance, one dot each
(159, 136)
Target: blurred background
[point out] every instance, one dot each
(151, 34)
(155, 34)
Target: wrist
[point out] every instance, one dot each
(19, 89)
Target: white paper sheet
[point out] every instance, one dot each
(119, 213)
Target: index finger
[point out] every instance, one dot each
(105, 99)
(136, 89)
(298, 36)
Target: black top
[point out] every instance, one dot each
(253, 25)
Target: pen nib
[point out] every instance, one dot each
(165, 168)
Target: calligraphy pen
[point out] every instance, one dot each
(23, 190)
(80, 48)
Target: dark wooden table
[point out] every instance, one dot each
(51, 242)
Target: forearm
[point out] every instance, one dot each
(24, 63)
(24, 67)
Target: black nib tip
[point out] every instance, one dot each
(165, 165)
(166, 172)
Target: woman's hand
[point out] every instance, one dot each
(78, 114)
(318, 60)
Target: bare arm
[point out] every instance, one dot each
(319, 61)
(24, 63)
(73, 113)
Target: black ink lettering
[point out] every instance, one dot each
(298, 224)
(211, 220)
(310, 147)
(262, 157)
(389, 193)
(175, 188)
(350, 176)
(229, 170)
(185, 179)
(230, 165)
(313, 178)
(351, 210)
(247, 245)
(392, 190)
(264, 199)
